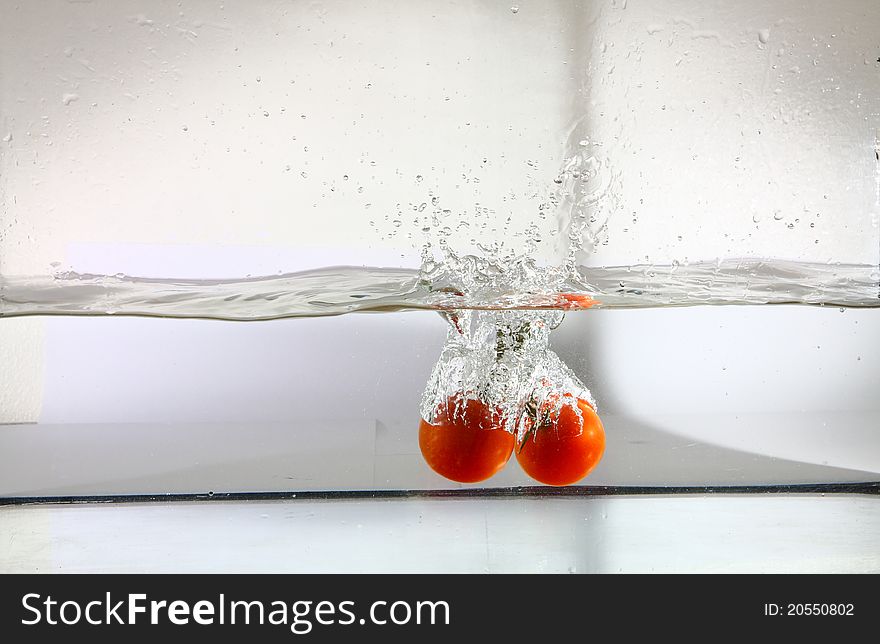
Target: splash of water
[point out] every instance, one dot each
(502, 359)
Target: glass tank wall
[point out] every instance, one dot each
(167, 168)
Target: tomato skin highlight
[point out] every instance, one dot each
(466, 443)
(566, 449)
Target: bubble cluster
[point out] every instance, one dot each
(503, 359)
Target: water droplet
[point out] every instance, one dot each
(185, 129)
(345, 177)
(7, 138)
(514, 9)
(419, 178)
(777, 215)
(265, 113)
(303, 174)
(67, 99)
(764, 36)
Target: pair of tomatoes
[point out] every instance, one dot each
(468, 443)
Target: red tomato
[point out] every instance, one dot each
(466, 443)
(576, 301)
(563, 448)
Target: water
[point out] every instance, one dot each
(346, 289)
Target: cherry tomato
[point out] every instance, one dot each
(466, 443)
(562, 448)
(576, 301)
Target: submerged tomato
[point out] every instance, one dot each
(563, 448)
(466, 443)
